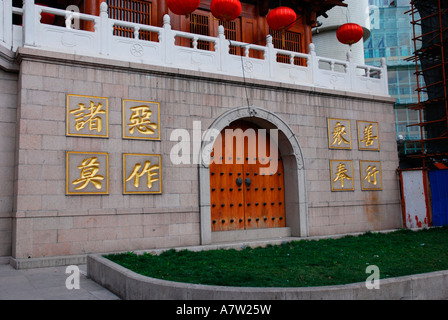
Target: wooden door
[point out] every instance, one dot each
(250, 34)
(242, 196)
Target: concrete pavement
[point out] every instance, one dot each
(48, 284)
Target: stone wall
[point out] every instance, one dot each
(358, 210)
(8, 103)
(50, 223)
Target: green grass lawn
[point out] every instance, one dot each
(300, 263)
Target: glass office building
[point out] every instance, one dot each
(391, 38)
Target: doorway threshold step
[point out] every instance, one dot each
(250, 234)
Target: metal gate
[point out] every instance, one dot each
(439, 192)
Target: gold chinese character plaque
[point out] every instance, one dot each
(141, 120)
(371, 177)
(87, 173)
(142, 173)
(87, 116)
(342, 175)
(368, 137)
(339, 135)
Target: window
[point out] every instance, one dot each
(200, 24)
(391, 40)
(290, 41)
(231, 32)
(137, 11)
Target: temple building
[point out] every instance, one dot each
(127, 126)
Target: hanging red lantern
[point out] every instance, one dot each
(225, 10)
(349, 33)
(281, 18)
(183, 7)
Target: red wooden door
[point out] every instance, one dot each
(243, 196)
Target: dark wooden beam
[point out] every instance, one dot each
(263, 7)
(310, 9)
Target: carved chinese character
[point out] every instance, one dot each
(370, 175)
(142, 173)
(339, 136)
(141, 120)
(90, 116)
(87, 116)
(87, 173)
(148, 170)
(341, 175)
(368, 137)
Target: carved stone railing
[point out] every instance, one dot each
(163, 46)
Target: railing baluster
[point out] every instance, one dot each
(195, 42)
(105, 29)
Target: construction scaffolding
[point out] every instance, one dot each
(430, 18)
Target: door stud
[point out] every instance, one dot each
(239, 182)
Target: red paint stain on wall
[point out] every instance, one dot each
(419, 223)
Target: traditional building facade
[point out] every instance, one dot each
(116, 134)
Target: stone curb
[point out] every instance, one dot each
(129, 285)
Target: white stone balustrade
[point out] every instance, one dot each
(163, 48)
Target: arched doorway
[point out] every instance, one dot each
(246, 179)
(294, 181)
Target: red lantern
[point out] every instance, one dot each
(183, 7)
(226, 10)
(281, 18)
(349, 33)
